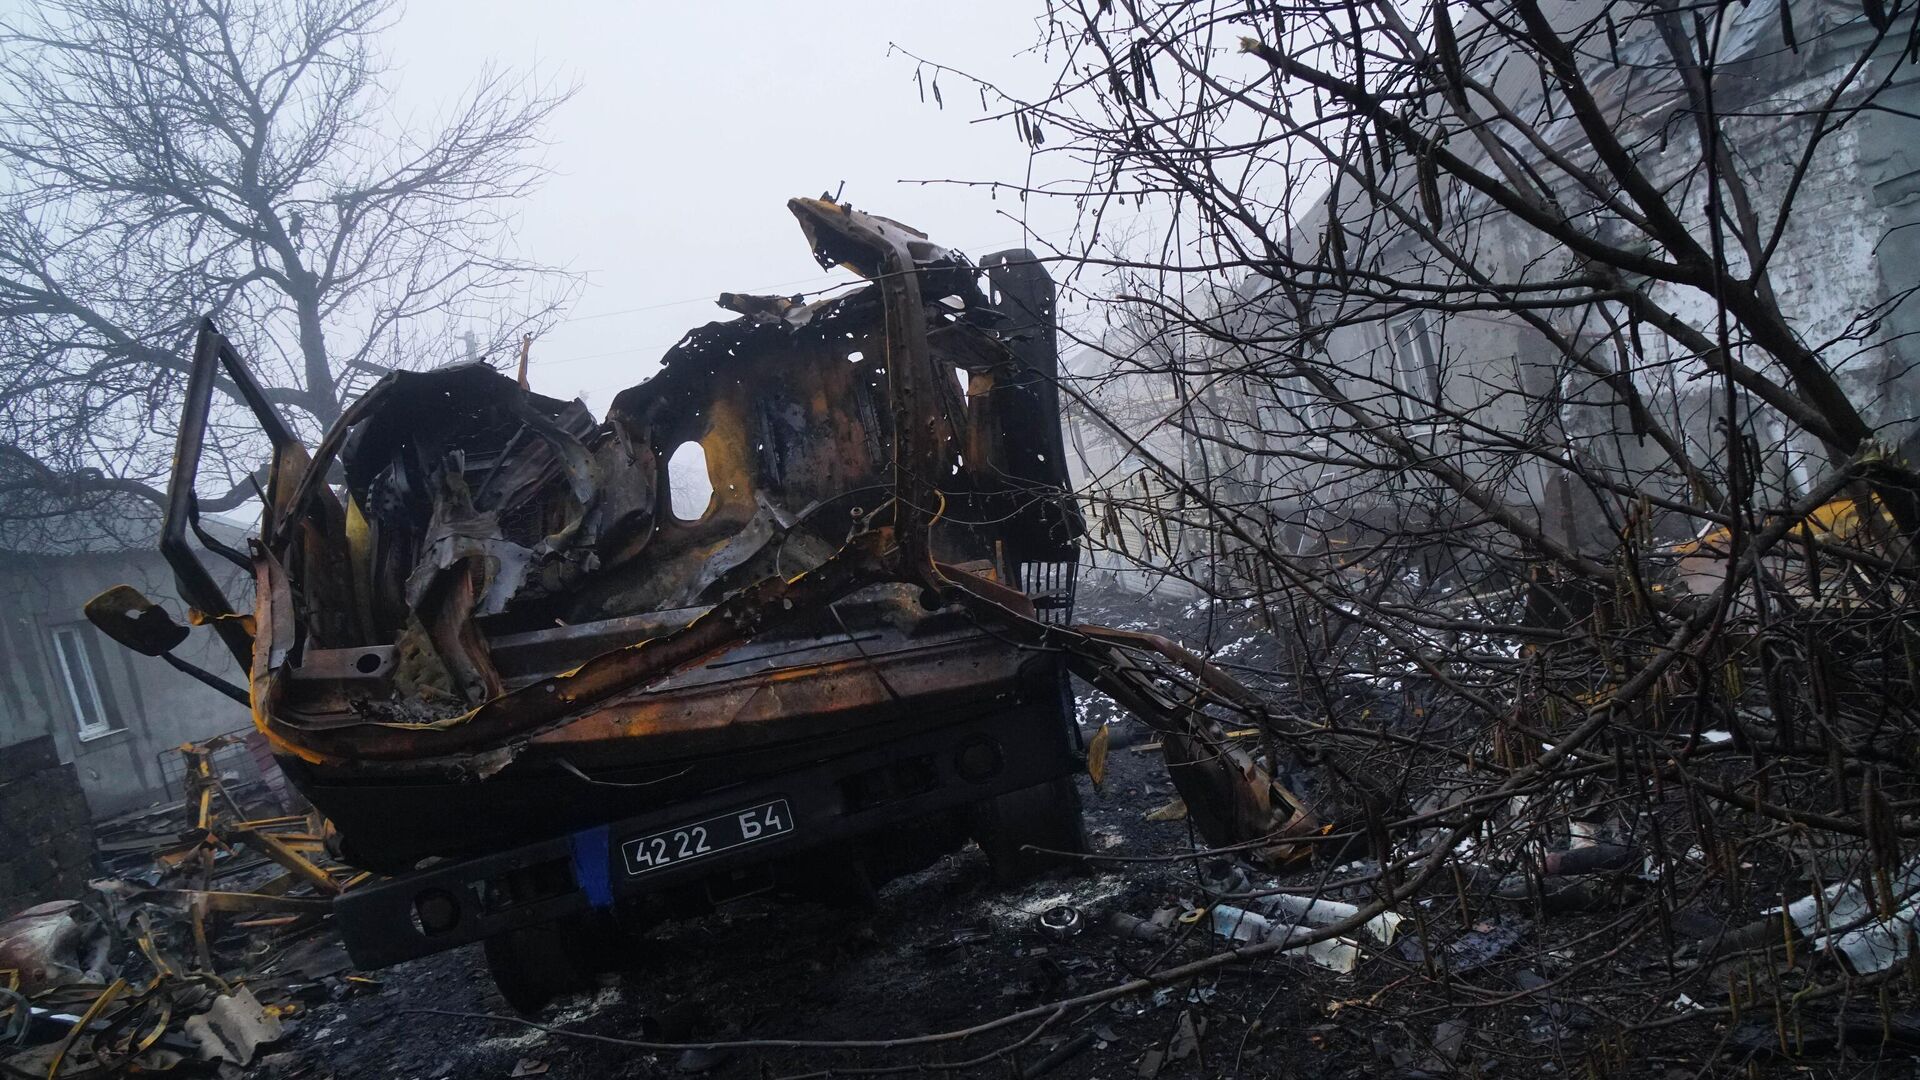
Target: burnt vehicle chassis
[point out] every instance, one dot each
(486, 644)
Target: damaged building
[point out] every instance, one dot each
(1205, 389)
(114, 716)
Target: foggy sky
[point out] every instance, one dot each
(694, 123)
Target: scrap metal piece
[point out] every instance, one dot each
(1231, 796)
(233, 1028)
(280, 852)
(135, 622)
(790, 310)
(1060, 923)
(891, 255)
(56, 944)
(643, 557)
(186, 901)
(529, 709)
(80, 1026)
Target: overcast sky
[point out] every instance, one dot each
(693, 125)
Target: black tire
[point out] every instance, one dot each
(1044, 816)
(535, 964)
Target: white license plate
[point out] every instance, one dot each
(684, 843)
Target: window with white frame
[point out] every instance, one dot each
(76, 654)
(1414, 341)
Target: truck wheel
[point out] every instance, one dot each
(535, 964)
(1042, 816)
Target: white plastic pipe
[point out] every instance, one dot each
(1239, 924)
(1320, 911)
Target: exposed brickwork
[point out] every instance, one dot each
(46, 836)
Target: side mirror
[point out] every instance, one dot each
(129, 618)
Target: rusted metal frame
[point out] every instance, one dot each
(276, 531)
(864, 559)
(143, 938)
(158, 1008)
(916, 423)
(987, 590)
(1234, 693)
(1226, 793)
(1232, 797)
(271, 922)
(217, 900)
(1241, 790)
(920, 427)
(283, 821)
(919, 449)
(197, 909)
(296, 507)
(197, 586)
(272, 528)
(202, 783)
(80, 1026)
(213, 353)
(207, 678)
(270, 846)
(199, 789)
(200, 786)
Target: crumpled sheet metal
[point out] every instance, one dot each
(56, 944)
(1263, 798)
(802, 411)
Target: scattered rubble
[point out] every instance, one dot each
(214, 934)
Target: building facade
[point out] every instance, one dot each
(1488, 392)
(112, 714)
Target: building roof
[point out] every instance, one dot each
(103, 525)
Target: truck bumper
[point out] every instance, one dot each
(830, 802)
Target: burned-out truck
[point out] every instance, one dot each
(553, 696)
(552, 701)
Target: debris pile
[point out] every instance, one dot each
(208, 939)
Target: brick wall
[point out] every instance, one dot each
(46, 836)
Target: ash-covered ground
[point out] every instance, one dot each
(942, 950)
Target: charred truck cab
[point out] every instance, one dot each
(553, 701)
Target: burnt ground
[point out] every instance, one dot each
(946, 949)
(943, 949)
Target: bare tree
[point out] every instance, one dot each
(1538, 376)
(167, 159)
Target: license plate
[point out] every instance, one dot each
(685, 843)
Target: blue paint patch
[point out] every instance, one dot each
(592, 866)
